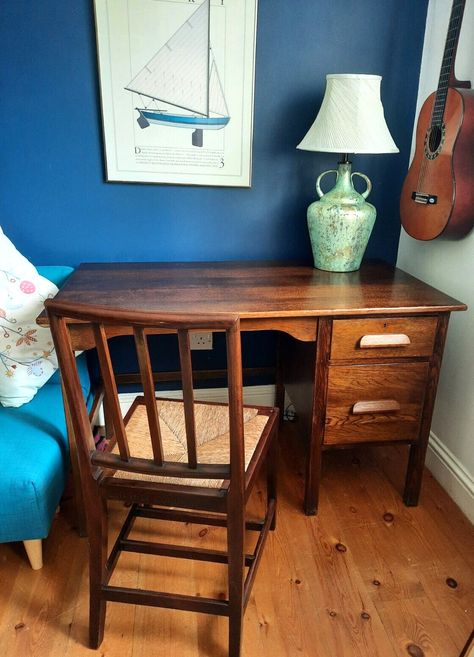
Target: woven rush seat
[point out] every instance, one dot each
(212, 437)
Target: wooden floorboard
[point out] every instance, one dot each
(367, 577)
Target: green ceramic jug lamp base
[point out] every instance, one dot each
(341, 222)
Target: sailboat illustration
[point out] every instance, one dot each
(183, 73)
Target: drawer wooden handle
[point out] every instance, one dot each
(377, 406)
(386, 340)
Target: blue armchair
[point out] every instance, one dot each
(34, 456)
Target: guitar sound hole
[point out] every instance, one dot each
(434, 141)
(435, 138)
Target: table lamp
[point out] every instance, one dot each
(350, 120)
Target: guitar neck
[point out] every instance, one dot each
(446, 76)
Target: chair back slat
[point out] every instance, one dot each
(146, 373)
(110, 390)
(188, 395)
(63, 317)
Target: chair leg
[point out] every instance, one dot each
(272, 464)
(97, 528)
(74, 459)
(235, 548)
(34, 550)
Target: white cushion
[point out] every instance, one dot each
(27, 355)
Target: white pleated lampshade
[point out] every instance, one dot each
(351, 118)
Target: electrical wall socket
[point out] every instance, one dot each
(201, 341)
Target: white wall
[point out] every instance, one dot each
(449, 266)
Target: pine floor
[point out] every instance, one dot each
(367, 577)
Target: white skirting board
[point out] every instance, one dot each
(442, 463)
(451, 474)
(257, 395)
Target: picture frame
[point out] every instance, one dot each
(177, 90)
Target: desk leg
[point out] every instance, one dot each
(416, 459)
(318, 417)
(280, 382)
(302, 370)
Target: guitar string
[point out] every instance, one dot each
(451, 39)
(454, 26)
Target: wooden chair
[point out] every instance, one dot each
(204, 468)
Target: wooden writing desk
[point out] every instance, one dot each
(360, 352)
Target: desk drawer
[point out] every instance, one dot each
(374, 402)
(354, 339)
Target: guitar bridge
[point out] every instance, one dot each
(424, 199)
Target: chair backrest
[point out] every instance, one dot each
(140, 324)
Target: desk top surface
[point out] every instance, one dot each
(253, 289)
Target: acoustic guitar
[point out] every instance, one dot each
(438, 193)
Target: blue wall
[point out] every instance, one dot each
(55, 205)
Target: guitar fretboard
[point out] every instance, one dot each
(447, 65)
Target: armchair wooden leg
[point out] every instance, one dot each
(34, 550)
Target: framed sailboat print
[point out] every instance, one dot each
(177, 88)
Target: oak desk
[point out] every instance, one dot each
(360, 352)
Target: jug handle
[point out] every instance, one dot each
(367, 180)
(320, 177)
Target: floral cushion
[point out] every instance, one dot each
(27, 356)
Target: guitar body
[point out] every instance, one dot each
(438, 193)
